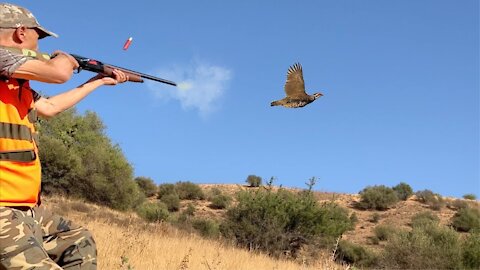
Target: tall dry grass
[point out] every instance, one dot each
(126, 242)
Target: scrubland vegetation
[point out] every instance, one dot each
(183, 225)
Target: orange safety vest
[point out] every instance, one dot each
(20, 170)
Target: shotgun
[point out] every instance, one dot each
(107, 69)
(92, 65)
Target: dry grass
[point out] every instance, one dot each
(126, 242)
(160, 246)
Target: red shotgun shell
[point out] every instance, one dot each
(127, 43)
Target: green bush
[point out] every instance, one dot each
(214, 191)
(355, 254)
(425, 247)
(403, 191)
(206, 227)
(375, 218)
(467, 219)
(383, 232)
(424, 219)
(457, 204)
(435, 201)
(471, 251)
(220, 201)
(189, 191)
(79, 160)
(146, 185)
(254, 181)
(172, 201)
(189, 210)
(282, 222)
(377, 197)
(153, 212)
(165, 189)
(470, 196)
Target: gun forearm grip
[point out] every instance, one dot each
(132, 77)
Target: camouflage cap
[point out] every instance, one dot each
(13, 16)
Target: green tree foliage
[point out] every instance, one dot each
(470, 196)
(355, 254)
(220, 201)
(172, 201)
(254, 181)
(146, 185)
(467, 219)
(282, 222)
(424, 219)
(165, 189)
(206, 227)
(79, 160)
(189, 191)
(377, 197)
(471, 251)
(403, 191)
(153, 212)
(424, 247)
(384, 231)
(434, 200)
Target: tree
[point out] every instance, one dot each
(79, 160)
(403, 190)
(147, 185)
(254, 181)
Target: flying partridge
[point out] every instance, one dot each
(295, 90)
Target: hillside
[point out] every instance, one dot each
(124, 241)
(161, 246)
(400, 214)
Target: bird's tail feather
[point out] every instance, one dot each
(275, 103)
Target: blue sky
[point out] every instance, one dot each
(400, 81)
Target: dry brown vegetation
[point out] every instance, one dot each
(124, 240)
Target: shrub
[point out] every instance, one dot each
(424, 219)
(189, 191)
(467, 219)
(435, 201)
(153, 212)
(383, 232)
(353, 219)
(457, 204)
(427, 247)
(375, 218)
(79, 160)
(172, 201)
(282, 222)
(220, 201)
(190, 210)
(214, 191)
(470, 196)
(471, 251)
(206, 227)
(254, 181)
(403, 191)
(355, 254)
(377, 197)
(165, 189)
(146, 185)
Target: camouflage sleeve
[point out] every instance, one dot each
(9, 62)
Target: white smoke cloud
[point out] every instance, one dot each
(199, 85)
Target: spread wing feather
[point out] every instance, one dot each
(295, 86)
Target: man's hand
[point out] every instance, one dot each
(70, 58)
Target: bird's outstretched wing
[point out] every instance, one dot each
(295, 86)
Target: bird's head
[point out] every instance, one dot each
(317, 95)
